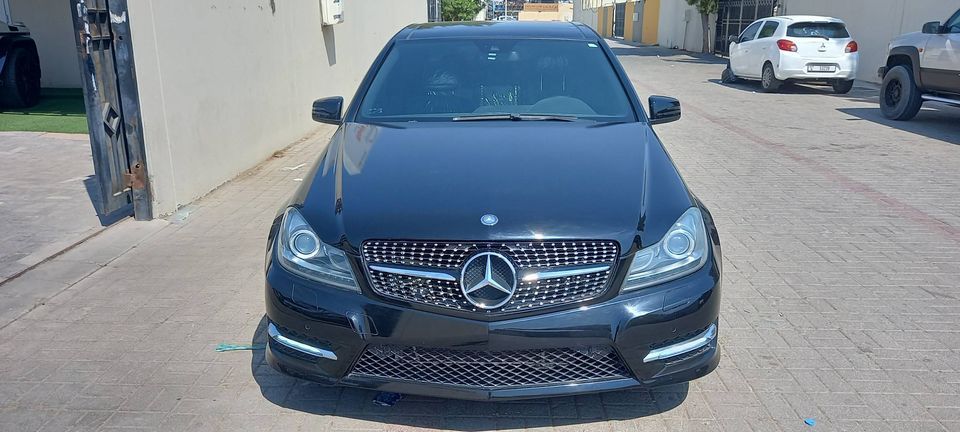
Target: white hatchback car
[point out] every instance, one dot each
(794, 48)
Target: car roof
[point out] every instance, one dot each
(499, 29)
(806, 18)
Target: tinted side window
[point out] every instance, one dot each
(750, 32)
(953, 25)
(769, 29)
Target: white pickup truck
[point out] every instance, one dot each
(921, 67)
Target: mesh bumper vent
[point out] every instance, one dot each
(491, 369)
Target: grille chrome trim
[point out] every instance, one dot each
(565, 272)
(414, 273)
(535, 276)
(491, 369)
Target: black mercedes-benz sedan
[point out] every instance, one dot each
(494, 218)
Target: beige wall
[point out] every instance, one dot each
(561, 12)
(225, 83)
(680, 28)
(873, 23)
(583, 13)
(51, 26)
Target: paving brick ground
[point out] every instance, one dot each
(44, 203)
(841, 236)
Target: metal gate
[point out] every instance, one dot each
(619, 18)
(733, 17)
(113, 110)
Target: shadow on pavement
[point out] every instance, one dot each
(788, 88)
(934, 121)
(670, 55)
(419, 411)
(93, 191)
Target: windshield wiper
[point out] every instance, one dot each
(515, 117)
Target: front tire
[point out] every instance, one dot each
(21, 79)
(728, 77)
(900, 98)
(842, 86)
(768, 80)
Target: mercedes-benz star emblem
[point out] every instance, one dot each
(488, 280)
(489, 219)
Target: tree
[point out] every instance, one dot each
(705, 7)
(460, 10)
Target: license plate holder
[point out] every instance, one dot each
(821, 68)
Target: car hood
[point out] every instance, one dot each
(915, 39)
(543, 180)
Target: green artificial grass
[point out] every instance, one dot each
(59, 110)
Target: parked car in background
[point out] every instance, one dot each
(19, 63)
(494, 218)
(922, 66)
(794, 48)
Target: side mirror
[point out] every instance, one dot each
(663, 110)
(933, 27)
(328, 110)
(733, 39)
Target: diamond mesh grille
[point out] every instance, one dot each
(524, 254)
(530, 295)
(491, 369)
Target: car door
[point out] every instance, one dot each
(940, 64)
(761, 46)
(740, 50)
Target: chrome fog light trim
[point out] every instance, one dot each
(697, 342)
(299, 346)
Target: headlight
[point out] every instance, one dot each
(682, 251)
(302, 252)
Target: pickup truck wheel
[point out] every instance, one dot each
(842, 86)
(20, 86)
(900, 98)
(768, 81)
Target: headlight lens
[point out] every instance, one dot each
(681, 251)
(302, 252)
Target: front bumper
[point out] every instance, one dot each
(640, 327)
(795, 67)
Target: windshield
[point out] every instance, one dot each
(443, 79)
(831, 30)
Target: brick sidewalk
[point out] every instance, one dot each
(841, 300)
(46, 182)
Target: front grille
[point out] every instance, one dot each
(527, 256)
(491, 369)
(524, 254)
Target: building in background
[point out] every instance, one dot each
(498, 9)
(676, 24)
(184, 95)
(433, 11)
(631, 20)
(556, 11)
